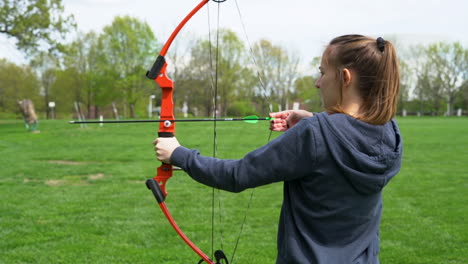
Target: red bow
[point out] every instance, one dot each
(167, 129)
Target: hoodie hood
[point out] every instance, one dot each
(368, 155)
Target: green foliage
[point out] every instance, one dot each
(17, 83)
(241, 109)
(278, 69)
(462, 96)
(422, 107)
(223, 69)
(129, 46)
(405, 85)
(34, 23)
(65, 90)
(307, 94)
(99, 70)
(441, 70)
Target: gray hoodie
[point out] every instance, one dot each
(334, 168)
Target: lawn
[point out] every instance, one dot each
(77, 195)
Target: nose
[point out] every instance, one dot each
(317, 83)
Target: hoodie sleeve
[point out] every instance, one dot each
(283, 159)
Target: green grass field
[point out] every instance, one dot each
(77, 195)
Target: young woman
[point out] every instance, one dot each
(338, 161)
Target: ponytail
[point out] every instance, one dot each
(376, 64)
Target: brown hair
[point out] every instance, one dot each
(376, 65)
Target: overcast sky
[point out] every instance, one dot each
(304, 26)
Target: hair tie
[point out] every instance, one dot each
(381, 44)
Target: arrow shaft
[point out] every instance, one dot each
(179, 120)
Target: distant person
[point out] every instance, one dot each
(334, 164)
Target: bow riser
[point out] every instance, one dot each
(164, 173)
(166, 129)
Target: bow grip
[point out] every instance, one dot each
(165, 134)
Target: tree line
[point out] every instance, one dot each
(99, 70)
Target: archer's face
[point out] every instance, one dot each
(328, 84)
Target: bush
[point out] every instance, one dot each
(241, 108)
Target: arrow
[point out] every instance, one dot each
(248, 119)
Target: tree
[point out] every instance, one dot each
(307, 94)
(233, 74)
(130, 46)
(45, 64)
(224, 66)
(429, 88)
(278, 71)
(76, 69)
(195, 81)
(405, 84)
(451, 66)
(16, 83)
(94, 74)
(63, 90)
(34, 23)
(428, 85)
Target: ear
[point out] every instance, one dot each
(347, 77)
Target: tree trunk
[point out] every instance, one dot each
(132, 110)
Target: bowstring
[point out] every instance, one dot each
(214, 88)
(214, 91)
(265, 98)
(220, 213)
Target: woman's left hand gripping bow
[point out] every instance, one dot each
(164, 148)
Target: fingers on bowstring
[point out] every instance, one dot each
(275, 124)
(279, 126)
(280, 115)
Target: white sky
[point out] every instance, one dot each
(304, 26)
